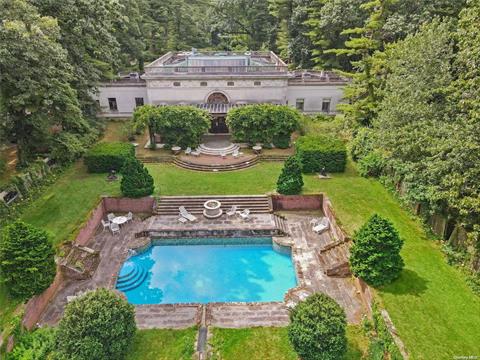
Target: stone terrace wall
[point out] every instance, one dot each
(37, 304)
(143, 205)
(336, 230)
(297, 202)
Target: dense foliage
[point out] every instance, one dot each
(98, 325)
(290, 181)
(105, 157)
(27, 264)
(136, 181)
(182, 126)
(317, 329)
(263, 123)
(317, 152)
(37, 345)
(375, 253)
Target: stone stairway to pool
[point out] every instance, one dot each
(131, 276)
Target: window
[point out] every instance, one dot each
(203, 83)
(326, 105)
(139, 102)
(300, 104)
(257, 83)
(176, 83)
(230, 83)
(112, 104)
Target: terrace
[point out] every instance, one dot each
(216, 63)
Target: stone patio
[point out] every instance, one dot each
(305, 244)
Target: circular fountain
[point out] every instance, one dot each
(212, 209)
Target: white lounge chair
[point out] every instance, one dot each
(188, 151)
(182, 220)
(321, 225)
(196, 152)
(245, 214)
(184, 213)
(115, 228)
(110, 217)
(236, 154)
(129, 216)
(232, 211)
(106, 224)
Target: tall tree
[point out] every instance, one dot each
(35, 77)
(87, 34)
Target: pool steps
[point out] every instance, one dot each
(132, 279)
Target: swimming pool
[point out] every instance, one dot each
(208, 270)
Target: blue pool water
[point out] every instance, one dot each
(205, 271)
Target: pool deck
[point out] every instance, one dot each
(305, 251)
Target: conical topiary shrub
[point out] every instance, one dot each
(136, 181)
(290, 181)
(375, 253)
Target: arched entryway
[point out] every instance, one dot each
(219, 125)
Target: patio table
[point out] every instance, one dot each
(257, 149)
(176, 150)
(119, 220)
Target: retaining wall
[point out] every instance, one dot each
(297, 202)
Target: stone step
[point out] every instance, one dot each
(215, 167)
(206, 150)
(247, 315)
(168, 205)
(178, 316)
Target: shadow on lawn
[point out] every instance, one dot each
(409, 283)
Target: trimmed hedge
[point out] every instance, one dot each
(290, 181)
(317, 152)
(105, 157)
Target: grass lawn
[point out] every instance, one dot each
(63, 208)
(163, 344)
(271, 344)
(171, 180)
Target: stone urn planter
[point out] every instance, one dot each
(212, 209)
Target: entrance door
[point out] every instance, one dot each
(219, 126)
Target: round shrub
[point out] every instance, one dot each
(36, 345)
(317, 329)
(290, 181)
(27, 263)
(263, 123)
(136, 181)
(105, 157)
(371, 165)
(375, 253)
(318, 152)
(99, 325)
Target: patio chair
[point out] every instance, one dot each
(321, 226)
(188, 151)
(236, 154)
(106, 225)
(110, 217)
(115, 228)
(196, 152)
(129, 216)
(182, 220)
(232, 211)
(245, 214)
(184, 213)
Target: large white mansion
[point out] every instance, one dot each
(219, 81)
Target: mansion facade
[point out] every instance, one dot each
(219, 81)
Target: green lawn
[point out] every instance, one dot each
(170, 180)
(162, 344)
(271, 344)
(65, 206)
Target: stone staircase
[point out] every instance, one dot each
(281, 224)
(168, 205)
(334, 259)
(214, 151)
(156, 159)
(215, 167)
(273, 157)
